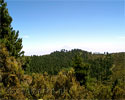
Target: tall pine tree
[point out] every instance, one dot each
(81, 70)
(8, 36)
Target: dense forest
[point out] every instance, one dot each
(70, 75)
(63, 59)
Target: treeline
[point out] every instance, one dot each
(61, 75)
(55, 62)
(101, 65)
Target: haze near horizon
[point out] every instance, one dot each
(50, 25)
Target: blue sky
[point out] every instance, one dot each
(49, 25)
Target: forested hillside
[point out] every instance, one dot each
(56, 61)
(70, 75)
(100, 64)
(63, 59)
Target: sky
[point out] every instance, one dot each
(50, 25)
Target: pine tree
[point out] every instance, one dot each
(8, 36)
(81, 70)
